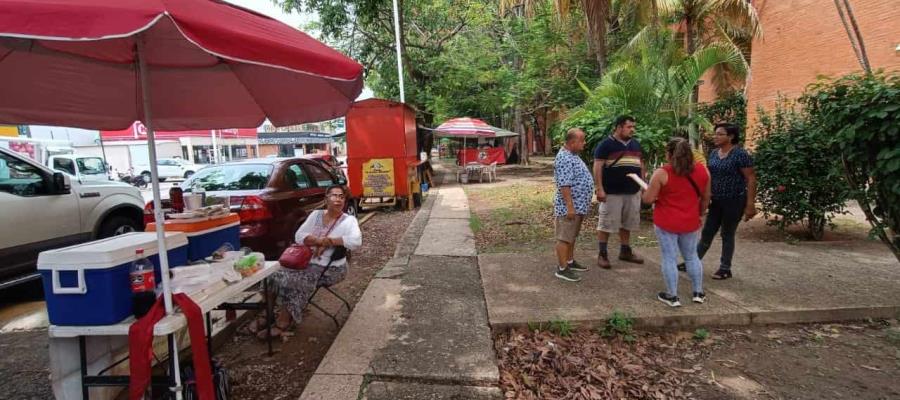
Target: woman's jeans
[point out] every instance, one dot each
(670, 244)
(725, 214)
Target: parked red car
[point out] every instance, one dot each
(337, 168)
(273, 196)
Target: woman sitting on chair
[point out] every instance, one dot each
(328, 265)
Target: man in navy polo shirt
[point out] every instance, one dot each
(620, 201)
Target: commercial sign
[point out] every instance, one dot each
(139, 132)
(378, 178)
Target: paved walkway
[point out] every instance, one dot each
(420, 330)
(773, 283)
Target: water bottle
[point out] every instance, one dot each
(143, 285)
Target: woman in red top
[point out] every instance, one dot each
(680, 192)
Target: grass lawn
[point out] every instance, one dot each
(518, 217)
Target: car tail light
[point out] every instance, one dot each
(254, 208)
(148, 213)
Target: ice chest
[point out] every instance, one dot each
(206, 236)
(88, 284)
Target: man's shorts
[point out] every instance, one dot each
(620, 211)
(567, 230)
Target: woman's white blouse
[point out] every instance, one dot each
(347, 230)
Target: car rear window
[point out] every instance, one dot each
(231, 177)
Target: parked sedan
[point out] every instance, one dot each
(169, 168)
(273, 196)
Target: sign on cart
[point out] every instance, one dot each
(378, 178)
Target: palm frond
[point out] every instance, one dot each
(737, 13)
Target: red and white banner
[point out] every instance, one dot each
(483, 156)
(139, 132)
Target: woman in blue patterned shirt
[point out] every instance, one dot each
(733, 194)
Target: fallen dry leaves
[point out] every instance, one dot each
(585, 365)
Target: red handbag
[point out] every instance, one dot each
(298, 255)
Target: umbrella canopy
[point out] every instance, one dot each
(503, 133)
(210, 65)
(172, 64)
(465, 128)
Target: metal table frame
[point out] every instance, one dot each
(168, 326)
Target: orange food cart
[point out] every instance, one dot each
(381, 154)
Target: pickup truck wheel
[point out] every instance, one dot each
(146, 175)
(117, 225)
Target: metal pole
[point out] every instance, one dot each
(399, 52)
(215, 147)
(143, 74)
(103, 150)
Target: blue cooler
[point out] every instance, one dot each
(88, 284)
(206, 236)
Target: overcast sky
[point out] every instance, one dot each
(267, 7)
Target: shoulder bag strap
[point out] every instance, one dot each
(613, 164)
(694, 185)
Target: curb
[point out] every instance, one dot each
(738, 319)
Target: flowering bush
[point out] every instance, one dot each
(861, 115)
(800, 180)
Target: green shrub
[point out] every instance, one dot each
(701, 334)
(861, 115)
(562, 327)
(799, 179)
(619, 324)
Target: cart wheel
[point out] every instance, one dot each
(401, 204)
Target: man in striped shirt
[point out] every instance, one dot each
(620, 202)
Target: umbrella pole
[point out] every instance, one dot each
(143, 74)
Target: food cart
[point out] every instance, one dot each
(381, 154)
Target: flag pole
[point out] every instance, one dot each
(399, 51)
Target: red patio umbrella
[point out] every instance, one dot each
(465, 128)
(173, 64)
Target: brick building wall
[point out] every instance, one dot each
(803, 39)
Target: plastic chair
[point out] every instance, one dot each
(340, 253)
(490, 171)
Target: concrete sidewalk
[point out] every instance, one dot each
(420, 330)
(773, 283)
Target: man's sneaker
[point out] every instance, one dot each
(631, 256)
(567, 275)
(671, 301)
(699, 297)
(603, 261)
(575, 266)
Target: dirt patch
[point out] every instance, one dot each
(24, 368)
(820, 361)
(255, 375)
(517, 213)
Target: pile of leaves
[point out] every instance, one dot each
(590, 365)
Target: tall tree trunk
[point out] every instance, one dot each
(852, 29)
(596, 12)
(690, 38)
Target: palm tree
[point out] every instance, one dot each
(654, 80)
(596, 15)
(733, 23)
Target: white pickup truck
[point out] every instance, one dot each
(42, 209)
(82, 168)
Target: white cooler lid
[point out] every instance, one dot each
(107, 253)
